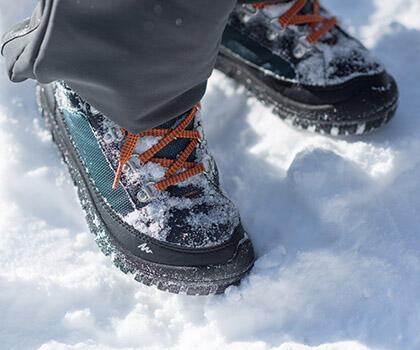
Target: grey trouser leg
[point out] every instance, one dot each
(139, 62)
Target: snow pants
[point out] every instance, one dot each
(141, 63)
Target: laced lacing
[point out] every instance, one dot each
(171, 175)
(314, 20)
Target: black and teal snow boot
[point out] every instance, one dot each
(293, 56)
(153, 200)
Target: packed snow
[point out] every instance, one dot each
(335, 223)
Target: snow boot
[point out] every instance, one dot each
(294, 56)
(152, 200)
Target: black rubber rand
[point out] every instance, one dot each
(354, 107)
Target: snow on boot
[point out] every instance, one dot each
(153, 200)
(294, 56)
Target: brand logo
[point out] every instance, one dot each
(145, 248)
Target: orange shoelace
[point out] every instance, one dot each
(168, 135)
(291, 17)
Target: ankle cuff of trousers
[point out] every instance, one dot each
(141, 63)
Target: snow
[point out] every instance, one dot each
(334, 223)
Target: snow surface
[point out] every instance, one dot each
(335, 223)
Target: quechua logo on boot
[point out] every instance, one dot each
(145, 248)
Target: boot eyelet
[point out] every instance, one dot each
(130, 166)
(94, 111)
(147, 193)
(114, 134)
(247, 12)
(108, 138)
(275, 30)
(209, 167)
(271, 35)
(119, 136)
(302, 47)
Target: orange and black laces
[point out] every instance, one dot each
(318, 24)
(172, 176)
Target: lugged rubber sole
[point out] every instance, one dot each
(151, 274)
(238, 72)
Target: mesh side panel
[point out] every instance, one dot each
(96, 163)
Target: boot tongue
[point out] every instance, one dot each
(175, 147)
(307, 9)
